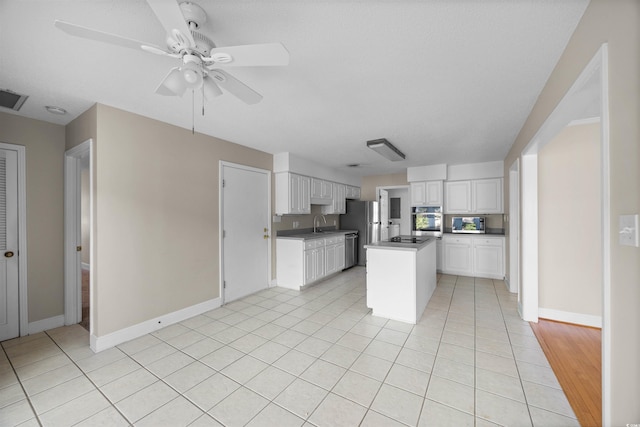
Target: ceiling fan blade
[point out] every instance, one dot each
(170, 16)
(88, 33)
(251, 55)
(235, 87)
(173, 84)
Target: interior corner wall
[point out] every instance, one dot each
(157, 217)
(44, 146)
(369, 184)
(569, 222)
(616, 23)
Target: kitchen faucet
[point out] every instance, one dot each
(314, 221)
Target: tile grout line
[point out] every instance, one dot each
(90, 380)
(26, 395)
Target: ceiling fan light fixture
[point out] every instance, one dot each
(172, 85)
(211, 89)
(192, 75)
(386, 149)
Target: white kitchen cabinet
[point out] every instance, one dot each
(488, 257)
(293, 194)
(426, 193)
(352, 192)
(302, 262)
(418, 193)
(340, 255)
(339, 203)
(458, 255)
(487, 196)
(480, 196)
(321, 191)
(473, 255)
(457, 197)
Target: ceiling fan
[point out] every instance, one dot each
(201, 62)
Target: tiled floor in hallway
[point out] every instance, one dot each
(289, 358)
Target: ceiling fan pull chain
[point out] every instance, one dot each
(203, 98)
(193, 112)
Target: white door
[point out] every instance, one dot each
(9, 301)
(246, 230)
(384, 214)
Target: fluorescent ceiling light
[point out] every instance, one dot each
(385, 149)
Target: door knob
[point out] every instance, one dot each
(78, 248)
(8, 254)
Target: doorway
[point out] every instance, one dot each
(78, 235)
(13, 287)
(395, 211)
(245, 230)
(587, 97)
(514, 231)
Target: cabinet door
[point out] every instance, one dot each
(309, 266)
(330, 259)
(340, 255)
(418, 193)
(457, 256)
(304, 201)
(488, 258)
(487, 196)
(319, 262)
(316, 188)
(327, 190)
(433, 193)
(457, 197)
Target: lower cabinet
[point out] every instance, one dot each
(457, 256)
(302, 262)
(478, 256)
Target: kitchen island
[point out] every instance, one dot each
(401, 277)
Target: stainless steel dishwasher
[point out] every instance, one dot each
(350, 250)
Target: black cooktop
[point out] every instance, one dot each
(407, 239)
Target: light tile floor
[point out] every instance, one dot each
(289, 358)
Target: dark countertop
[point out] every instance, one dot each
(401, 245)
(307, 233)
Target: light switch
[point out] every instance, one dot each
(628, 229)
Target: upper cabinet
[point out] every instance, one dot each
(293, 194)
(321, 191)
(352, 192)
(457, 197)
(481, 196)
(426, 193)
(487, 195)
(296, 193)
(339, 204)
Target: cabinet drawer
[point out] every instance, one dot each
(460, 240)
(331, 240)
(488, 241)
(340, 238)
(312, 244)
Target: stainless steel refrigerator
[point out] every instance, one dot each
(364, 217)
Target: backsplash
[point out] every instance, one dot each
(305, 221)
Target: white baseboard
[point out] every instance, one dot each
(46, 324)
(127, 334)
(569, 317)
(86, 266)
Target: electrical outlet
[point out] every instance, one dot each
(628, 229)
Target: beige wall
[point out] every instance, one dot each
(44, 146)
(369, 184)
(569, 222)
(156, 203)
(618, 24)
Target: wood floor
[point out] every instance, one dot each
(574, 353)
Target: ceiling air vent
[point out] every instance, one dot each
(10, 99)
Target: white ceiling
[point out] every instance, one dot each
(445, 81)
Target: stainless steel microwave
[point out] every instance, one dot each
(468, 224)
(427, 220)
